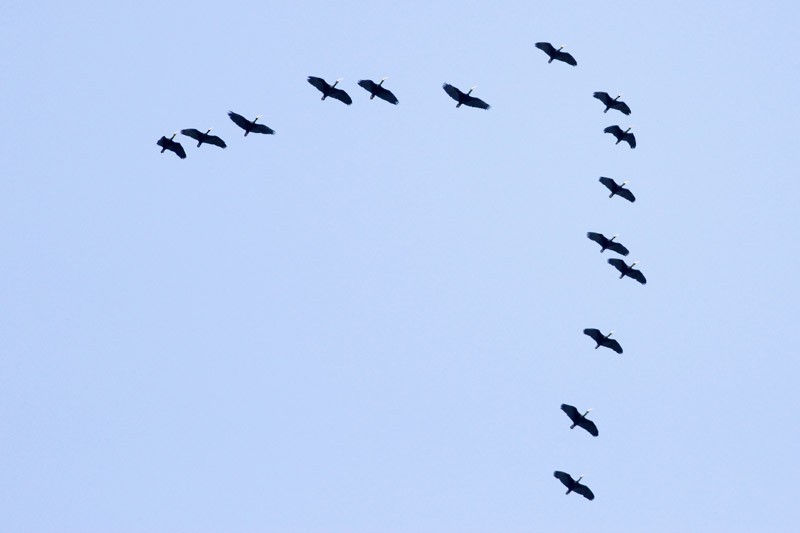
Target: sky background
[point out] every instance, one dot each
(368, 321)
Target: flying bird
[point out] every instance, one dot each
(613, 103)
(617, 132)
(625, 270)
(579, 419)
(377, 89)
(464, 98)
(172, 146)
(619, 190)
(574, 485)
(603, 340)
(607, 244)
(551, 51)
(201, 137)
(330, 90)
(250, 126)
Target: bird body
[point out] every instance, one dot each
(250, 126)
(330, 90)
(603, 340)
(618, 189)
(464, 98)
(612, 103)
(579, 419)
(628, 270)
(556, 54)
(172, 146)
(607, 244)
(377, 89)
(574, 485)
(620, 135)
(201, 137)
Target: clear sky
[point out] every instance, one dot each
(368, 321)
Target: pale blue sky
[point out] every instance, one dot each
(368, 321)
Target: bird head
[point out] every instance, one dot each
(579, 478)
(561, 47)
(472, 89)
(257, 117)
(614, 237)
(629, 129)
(634, 263)
(623, 183)
(173, 135)
(383, 79)
(337, 81)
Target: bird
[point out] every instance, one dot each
(172, 146)
(551, 51)
(574, 485)
(619, 190)
(603, 340)
(579, 419)
(464, 98)
(201, 137)
(617, 132)
(330, 90)
(614, 103)
(377, 89)
(626, 270)
(607, 244)
(250, 126)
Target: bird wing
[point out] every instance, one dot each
(367, 84)
(608, 182)
(597, 237)
(584, 491)
(594, 333)
(193, 133)
(262, 128)
(627, 194)
(567, 58)
(616, 131)
(162, 142)
(638, 276)
(341, 96)
(603, 97)
(178, 149)
(547, 48)
(619, 264)
(571, 411)
(589, 426)
(385, 94)
(454, 93)
(319, 83)
(564, 478)
(617, 247)
(613, 344)
(239, 120)
(471, 101)
(630, 139)
(621, 106)
(216, 141)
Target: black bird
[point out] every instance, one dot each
(629, 271)
(330, 90)
(579, 419)
(619, 190)
(201, 137)
(607, 244)
(603, 340)
(250, 126)
(574, 485)
(614, 103)
(464, 98)
(377, 89)
(551, 51)
(617, 132)
(172, 146)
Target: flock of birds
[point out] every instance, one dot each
(466, 99)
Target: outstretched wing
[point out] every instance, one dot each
(239, 120)
(589, 426)
(616, 131)
(594, 333)
(163, 142)
(567, 58)
(341, 96)
(603, 97)
(216, 141)
(609, 183)
(638, 276)
(572, 412)
(547, 48)
(197, 135)
(597, 237)
(627, 194)
(262, 128)
(617, 247)
(471, 101)
(619, 264)
(621, 106)
(613, 344)
(564, 478)
(385, 94)
(584, 491)
(630, 139)
(178, 149)
(454, 93)
(368, 85)
(319, 83)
